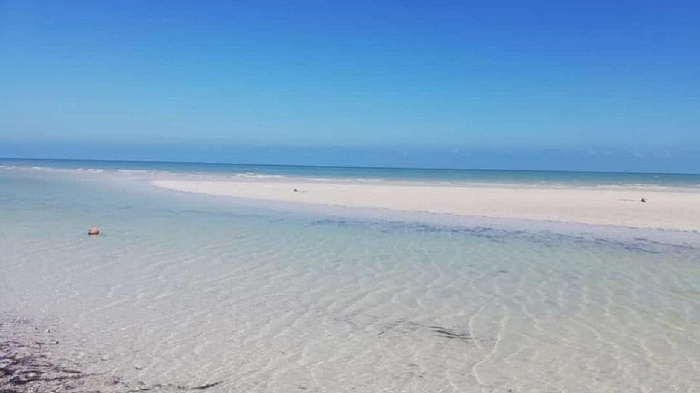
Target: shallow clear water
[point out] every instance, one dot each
(191, 290)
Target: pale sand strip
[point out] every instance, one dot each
(672, 209)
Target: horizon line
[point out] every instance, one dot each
(349, 166)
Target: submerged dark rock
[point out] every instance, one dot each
(405, 326)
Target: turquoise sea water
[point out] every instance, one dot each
(189, 289)
(387, 174)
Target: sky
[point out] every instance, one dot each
(541, 84)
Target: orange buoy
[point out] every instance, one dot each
(93, 231)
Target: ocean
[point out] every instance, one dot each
(372, 174)
(183, 291)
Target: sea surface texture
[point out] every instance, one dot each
(184, 290)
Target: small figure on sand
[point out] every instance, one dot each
(94, 231)
(644, 200)
(295, 190)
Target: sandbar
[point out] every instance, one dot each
(670, 209)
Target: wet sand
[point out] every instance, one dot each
(672, 209)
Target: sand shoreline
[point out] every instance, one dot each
(664, 209)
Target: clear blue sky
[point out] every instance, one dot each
(210, 80)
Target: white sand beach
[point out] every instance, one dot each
(674, 209)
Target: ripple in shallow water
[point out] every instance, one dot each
(285, 303)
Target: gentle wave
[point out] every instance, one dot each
(133, 171)
(253, 175)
